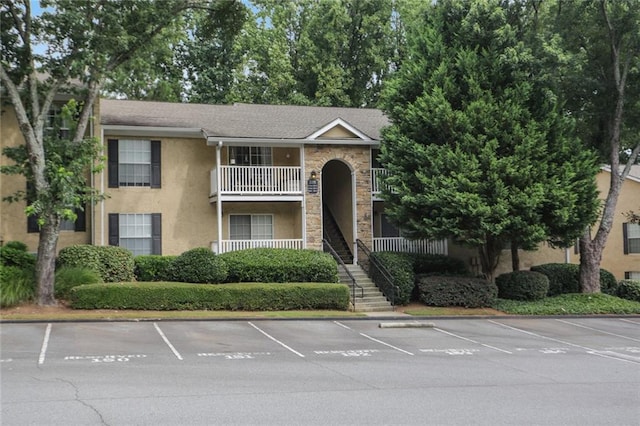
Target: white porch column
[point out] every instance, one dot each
(219, 197)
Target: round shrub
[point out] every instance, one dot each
(198, 265)
(70, 277)
(79, 256)
(114, 264)
(563, 277)
(629, 289)
(14, 253)
(400, 269)
(608, 282)
(272, 265)
(17, 285)
(468, 292)
(152, 267)
(522, 285)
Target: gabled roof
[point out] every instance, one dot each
(243, 120)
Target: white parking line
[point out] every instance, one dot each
(591, 351)
(275, 340)
(375, 340)
(472, 341)
(45, 343)
(386, 344)
(540, 336)
(628, 320)
(598, 330)
(175, 352)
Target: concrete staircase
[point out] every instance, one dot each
(373, 300)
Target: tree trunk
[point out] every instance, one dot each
(590, 257)
(515, 257)
(46, 262)
(489, 257)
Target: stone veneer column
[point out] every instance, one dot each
(357, 158)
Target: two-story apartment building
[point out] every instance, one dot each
(229, 177)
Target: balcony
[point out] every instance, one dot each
(376, 185)
(233, 245)
(239, 182)
(401, 244)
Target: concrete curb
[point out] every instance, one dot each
(406, 324)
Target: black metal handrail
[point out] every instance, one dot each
(382, 279)
(349, 274)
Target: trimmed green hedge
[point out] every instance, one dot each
(522, 285)
(114, 264)
(400, 267)
(564, 278)
(271, 265)
(629, 289)
(152, 267)
(181, 296)
(198, 265)
(468, 292)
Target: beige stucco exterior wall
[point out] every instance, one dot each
(357, 158)
(13, 220)
(287, 217)
(188, 219)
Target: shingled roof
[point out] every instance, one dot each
(240, 120)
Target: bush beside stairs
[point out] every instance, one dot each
(373, 299)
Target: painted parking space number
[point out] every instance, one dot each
(105, 358)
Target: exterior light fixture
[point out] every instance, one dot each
(312, 183)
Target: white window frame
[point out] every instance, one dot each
(633, 234)
(138, 236)
(134, 162)
(253, 235)
(255, 155)
(632, 275)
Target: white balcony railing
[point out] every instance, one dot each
(408, 246)
(257, 180)
(376, 185)
(233, 245)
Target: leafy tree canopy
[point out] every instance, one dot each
(478, 149)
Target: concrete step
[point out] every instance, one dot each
(369, 298)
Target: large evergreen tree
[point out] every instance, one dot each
(478, 150)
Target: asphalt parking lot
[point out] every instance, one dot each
(573, 371)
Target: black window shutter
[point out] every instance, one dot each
(156, 233)
(112, 154)
(627, 275)
(114, 229)
(81, 220)
(156, 178)
(32, 224)
(625, 239)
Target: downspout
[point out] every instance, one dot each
(304, 198)
(101, 192)
(219, 197)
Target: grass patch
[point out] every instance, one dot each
(570, 304)
(33, 313)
